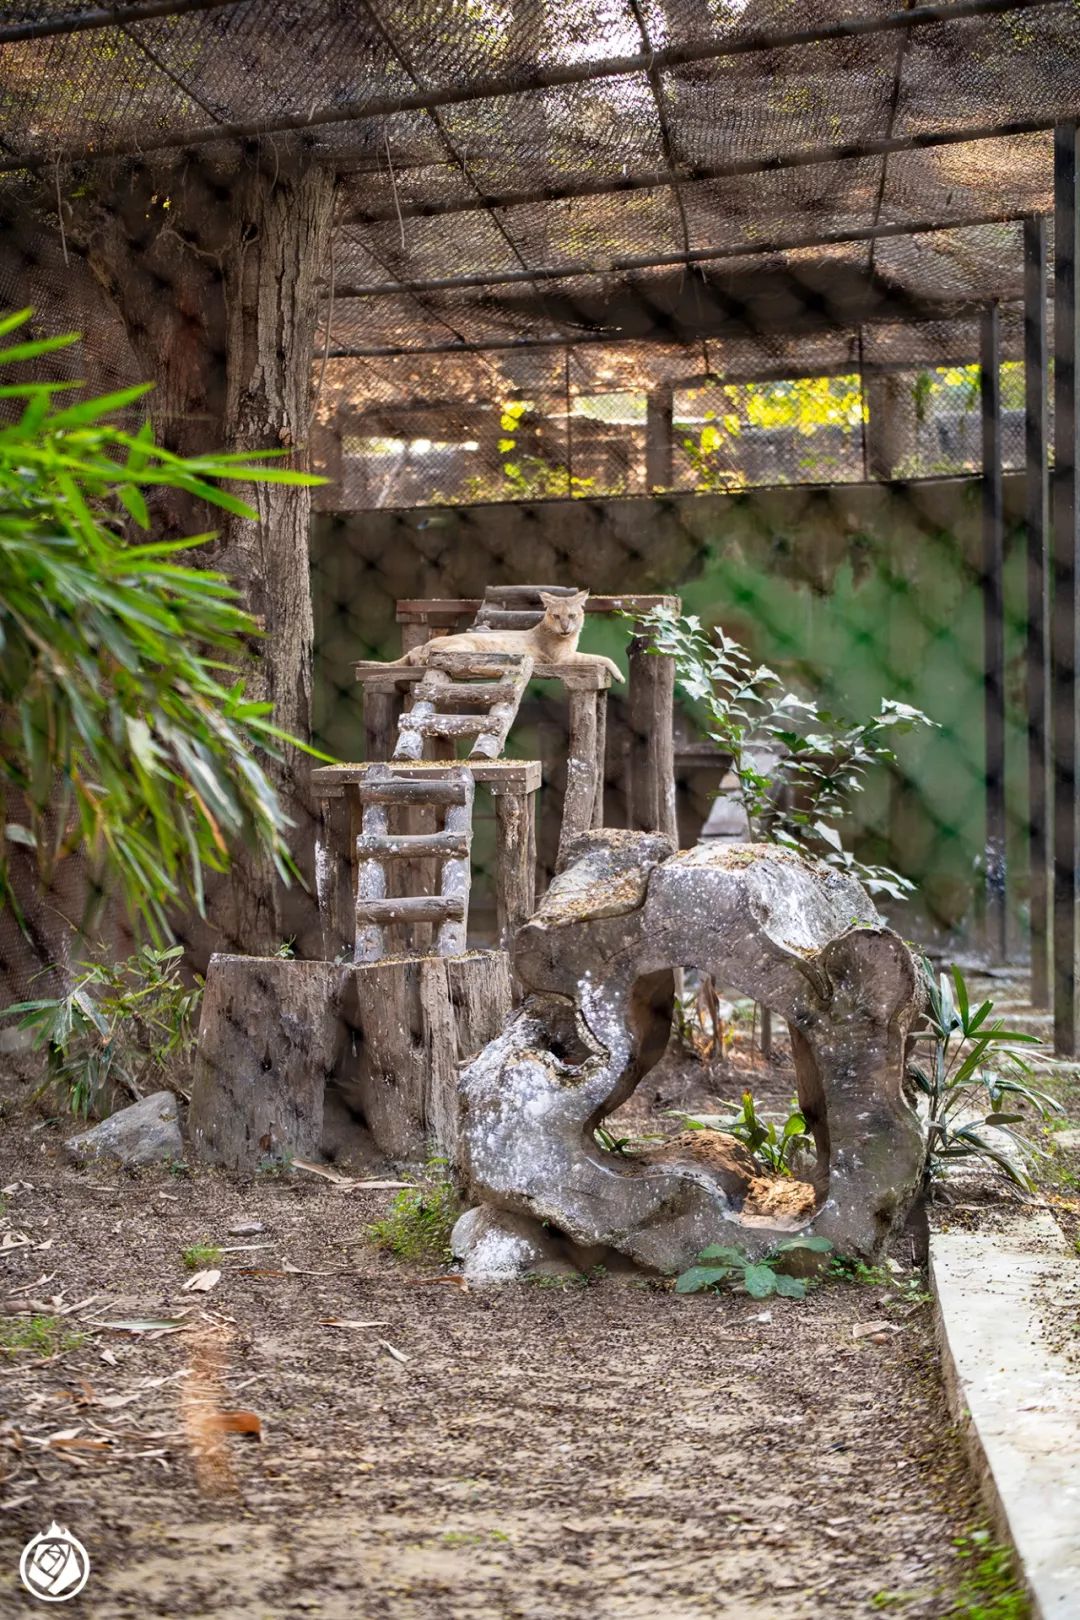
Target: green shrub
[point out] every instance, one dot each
(418, 1223)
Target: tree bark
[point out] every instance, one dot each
(215, 273)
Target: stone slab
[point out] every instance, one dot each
(1006, 1299)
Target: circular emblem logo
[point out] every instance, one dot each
(54, 1566)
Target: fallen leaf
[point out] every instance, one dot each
(236, 1423)
(111, 1357)
(346, 1183)
(202, 1282)
(246, 1228)
(397, 1355)
(868, 1330)
(13, 1240)
(147, 1324)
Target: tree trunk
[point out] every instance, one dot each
(215, 274)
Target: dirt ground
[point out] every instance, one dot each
(535, 1451)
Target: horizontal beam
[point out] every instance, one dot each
(808, 157)
(524, 83)
(81, 22)
(663, 261)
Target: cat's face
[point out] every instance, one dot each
(564, 614)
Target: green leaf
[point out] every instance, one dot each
(760, 1281)
(719, 1251)
(698, 1278)
(791, 1287)
(812, 1242)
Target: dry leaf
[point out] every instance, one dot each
(397, 1355)
(868, 1330)
(202, 1282)
(346, 1183)
(236, 1423)
(331, 1321)
(200, 1406)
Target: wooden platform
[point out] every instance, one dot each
(499, 775)
(382, 677)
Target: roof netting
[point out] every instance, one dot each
(609, 194)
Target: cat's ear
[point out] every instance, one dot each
(549, 600)
(582, 597)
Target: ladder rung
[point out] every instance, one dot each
(413, 790)
(475, 663)
(445, 725)
(409, 846)
(412, 908)
(464, 696)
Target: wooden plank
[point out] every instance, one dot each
(410, 846)
(601, 759)
(499, 775)
(431, 609)
(380, 722)
(993, 604)
(422, 721)
(650, 705)
(369, 943)
(525, 595)
(397, 677)
(1036, 373)
(408, 908)
(659, 437)
(334, 869)
(394, 790)
(493, 618)
(1063, 619)
(467, 697)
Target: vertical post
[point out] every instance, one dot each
(1035, 460)
(650, 702)
(993, 568)
(659, 437)
(1063, 612)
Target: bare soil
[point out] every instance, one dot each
(541, 1453)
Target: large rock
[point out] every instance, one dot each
(795, 935)
(146, 1133)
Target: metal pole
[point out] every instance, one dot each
(993, 568)
(1063, 616)
(1036, 372)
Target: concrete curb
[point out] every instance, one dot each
(1014, 1394)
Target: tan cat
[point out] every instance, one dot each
(553, 641)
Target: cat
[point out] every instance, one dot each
(553, 641)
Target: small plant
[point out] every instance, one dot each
(847, 1268)
(989, 1589)
(719, 1266)
(964, 1098)
(611, 1144)
(198, 1255)
(774, 1147)
(38, 1335)
(421, 1218)
(120, 1025)
(798, 765)
(279, 1162)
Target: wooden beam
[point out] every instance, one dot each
(1063, 620)
(1036, 373)
(993, 593)
(660, 437)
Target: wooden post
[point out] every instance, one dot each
(650, 706)
(601, 758)
(993, 568)
(581, 769)
(659, 438)
(515, 862)
(1036, 493)
(334, 875)
(380, 720)
(1063, 620)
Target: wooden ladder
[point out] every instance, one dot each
(465, 694)
(381, 792)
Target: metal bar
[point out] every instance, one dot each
(954, 312)
(79, 22)
(672, 261)
(1036, 372)
(580, 73)
(1063, 614)
(809, 157)
(993, 599)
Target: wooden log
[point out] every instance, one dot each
(469, 697)
(408, 846)
(334, 876)
(473, 662)
(509, 618)
(380, 721)
(601, 759)
(369, 943)
(515, 863)
(455, 880)
(650, 701)
(417, 1019)
(423, 721)
(525, 595)
(270, 1035)
(408, 908)
(415, 790)
(581, 772)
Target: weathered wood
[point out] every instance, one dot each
(499, 775)
(408, 846)
(448, 609)
(494, 618)
(601, 759)
(651, 704)
(993, 601)
(395, 790)
(465, 697)
(369, 943)
(474, 661)
(515, 863)
(581, 771)
(396, 678)
(333, 875)
(455, 880)
(524, 595)
(422, 720)
(380, 723)
(270, 1035)
(1036, 373)
(407, 908)
(659, 437)
(417, 1019)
